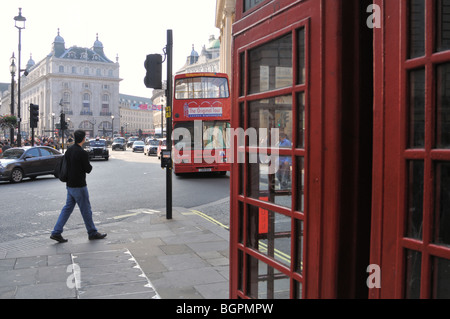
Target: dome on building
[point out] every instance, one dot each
(193, 52)
(97, 43)
(30, 62)
(59, 39)
(213, 43)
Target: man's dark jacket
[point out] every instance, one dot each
(79, 165)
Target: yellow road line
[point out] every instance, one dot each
(281, 255)
(212, 220)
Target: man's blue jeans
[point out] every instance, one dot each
(78, 196)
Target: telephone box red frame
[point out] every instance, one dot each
(329, 242)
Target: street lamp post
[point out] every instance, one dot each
(112, 126)
(12, 69)
(53, 126)
(20, 25)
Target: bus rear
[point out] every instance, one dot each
(201, 117)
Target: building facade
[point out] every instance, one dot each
(136, 115)
(81, 82)
(225, 16)
(207, 61)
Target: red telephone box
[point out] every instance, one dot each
(411, 179)
(360, 175)
(300, 205)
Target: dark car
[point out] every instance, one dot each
(131, 140)
(119, 143)
(97, 149)
(138, 146)
(20, 162)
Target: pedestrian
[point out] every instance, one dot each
(285, 163)
(77, 192)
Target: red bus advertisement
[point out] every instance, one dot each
(201, 116)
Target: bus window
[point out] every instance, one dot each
(215, 135)
(207, 135)
(201, 88)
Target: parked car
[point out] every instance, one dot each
(138, 146)
(151, 148)
(119, 143)
(161, 146)
(97, 149)
(131, 140)
(20, 162)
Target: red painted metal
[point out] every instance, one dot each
(331, 216)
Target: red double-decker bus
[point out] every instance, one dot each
(201, 117)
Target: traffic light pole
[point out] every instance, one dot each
(169, 94)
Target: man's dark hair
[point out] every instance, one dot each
(79, 136)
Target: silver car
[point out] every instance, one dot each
(20, 162)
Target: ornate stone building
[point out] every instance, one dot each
(207, 61)
(81, 82)
(225, 17)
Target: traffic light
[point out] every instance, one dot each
(34, 115)
(153, 66)
(63, 122)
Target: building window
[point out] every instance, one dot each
(105, 106)
(86, 104)
(61, 69)
(249, 4)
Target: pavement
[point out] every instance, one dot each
(144, 256)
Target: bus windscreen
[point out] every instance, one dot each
(201, 88)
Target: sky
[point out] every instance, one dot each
(130, 29)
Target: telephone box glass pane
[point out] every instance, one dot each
(442, 25)
(417, 108)
(266, 282)
(413, 270)
(298, 267)
(270, 234)
(416, 28)
(301, 56)
(268, 182)
(268, 117)
(301, 120)
(441, 278)
(415, 200)
(271, 65)
(442, 204)
(300, 184)
(443, 106)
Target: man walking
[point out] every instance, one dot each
(77, 192)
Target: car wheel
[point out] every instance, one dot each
(16, 175)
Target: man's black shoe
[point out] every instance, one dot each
(97, 236)
(58, 238)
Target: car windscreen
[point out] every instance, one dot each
(119, 140)
(138, 143)
(12, 153)
(97, 144)
(154, 142)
